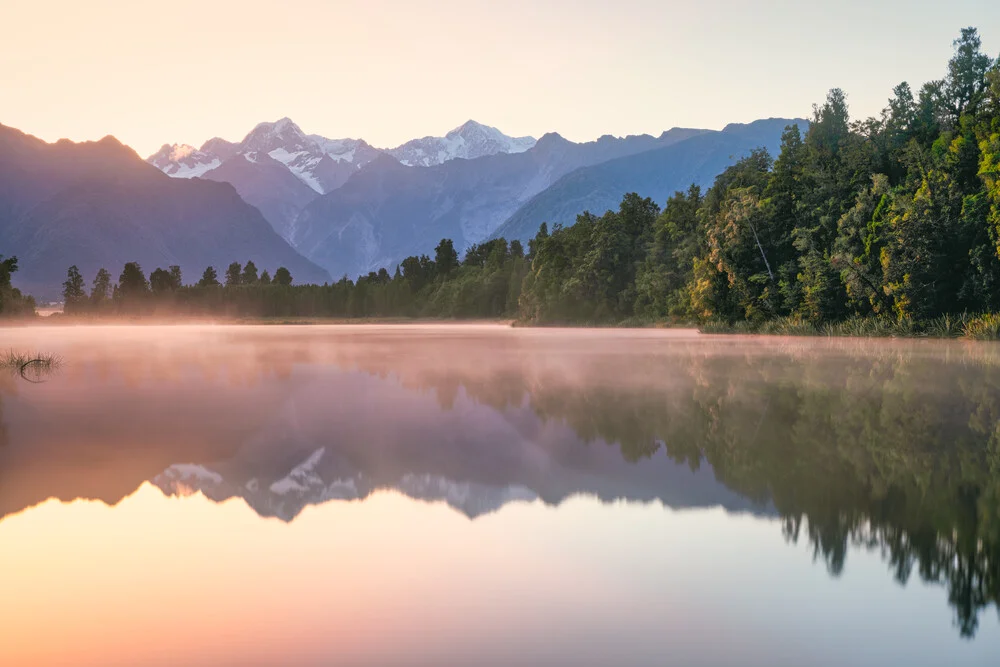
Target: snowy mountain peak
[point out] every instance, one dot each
(183, 161)
(321, 164)
(282, 133)
(470, 126)
(467, 141)
(220, 148)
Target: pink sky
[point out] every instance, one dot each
(391, 70)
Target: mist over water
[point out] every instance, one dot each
(460, 494)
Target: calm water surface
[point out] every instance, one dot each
(463, 495)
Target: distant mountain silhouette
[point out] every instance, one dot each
(98, 204)
(656, 173)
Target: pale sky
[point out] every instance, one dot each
(390, 70)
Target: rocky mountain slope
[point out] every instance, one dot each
(279, 168)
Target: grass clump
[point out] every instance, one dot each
(947, 326)
(983, 327)
(23, 363)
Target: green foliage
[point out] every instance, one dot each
(983, 327)
(12, 302)
(210, 278)
(7, 267)
(486, 285)
(100, 291)
(588, 271)
(282, 277)
(249, 275)
(893, 218)
(162, 282)
(74, 291)
(234, 275)
(445, 257)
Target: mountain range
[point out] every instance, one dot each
(472, 184)
(280, 169)
(656, 173)
(329, 207)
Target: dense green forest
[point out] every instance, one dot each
(877, 226)
(895, 217)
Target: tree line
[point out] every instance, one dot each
(893, 218)
(485, 283)
(164, 290)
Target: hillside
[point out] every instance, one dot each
(98, 204)
(656, 174)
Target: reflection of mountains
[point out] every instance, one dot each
(377, 435)
(889, 446)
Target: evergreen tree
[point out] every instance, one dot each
(132, 281)
(74, 291)
(282, 276)
(161, 282)
(132, 289)
(100, 292)
(210, 278)
(176, 282)
(249, 276)
(445, 257)
(234, 275)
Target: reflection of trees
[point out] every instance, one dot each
(891, 447)
(876, 445)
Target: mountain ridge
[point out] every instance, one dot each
(657, 174)
(98, 204)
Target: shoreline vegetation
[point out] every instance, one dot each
(883, 227)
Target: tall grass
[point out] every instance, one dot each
(948, 326)
(983, 327)
(22, 362)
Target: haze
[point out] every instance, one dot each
(492, 495)
(388, 71)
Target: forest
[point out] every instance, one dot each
(883, 226)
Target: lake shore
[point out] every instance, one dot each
(981, 327)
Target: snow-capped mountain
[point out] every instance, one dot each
(468, 141)
(183, 161)
(321, 164)
(280, 169)
(276, 167)
(285, 498)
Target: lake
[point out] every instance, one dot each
(482, 495)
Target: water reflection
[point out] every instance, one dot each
(891, 447)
